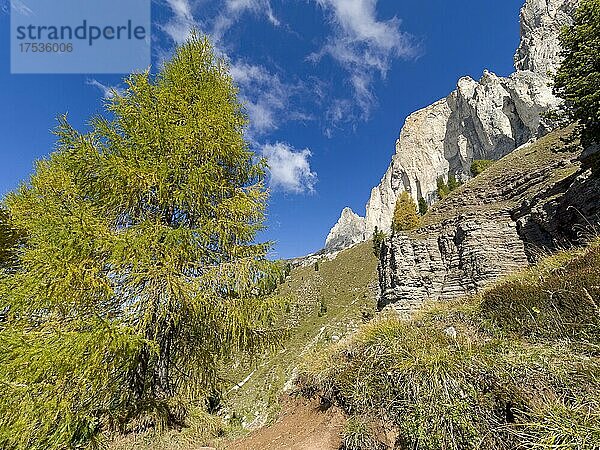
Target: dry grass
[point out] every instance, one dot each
(516, 367)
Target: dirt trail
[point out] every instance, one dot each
(302, 425)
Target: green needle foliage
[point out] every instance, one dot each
(423, 206)
(139, 276)
(453, 183)
(10, 239)
(405, 214)
(378, 238)
(577, 80)
(442, 188)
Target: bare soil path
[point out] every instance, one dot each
(302, 425)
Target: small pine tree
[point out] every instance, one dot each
(378, 238)
(287, 269)
(423, 206)
(405, 214)
(442, 188)
(577, 80)
(453, 183)
(322, 307)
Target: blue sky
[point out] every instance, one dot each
(327, 85)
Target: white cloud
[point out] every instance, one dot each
(265, 96)
(363, 45)
(108, 92)
(289, 168)
(182, 22)
(179, 26)
(234, 9)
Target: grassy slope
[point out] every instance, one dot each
(520, 175)
(325, 305)
(346, 286)
(515, 367)
(341, 285)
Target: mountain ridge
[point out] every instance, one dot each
(484, 119)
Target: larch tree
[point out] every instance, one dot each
(10, 239)
(405, 214)
(139, 275)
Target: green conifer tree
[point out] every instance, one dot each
(378, 238)
(577, 80)
(442, 188)
(423, 206)
(139, 275)
(453, 183)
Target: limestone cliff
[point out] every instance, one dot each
(349, 230)
(483, 119)
(541, 22)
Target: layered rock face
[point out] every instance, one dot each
(457, 258)
(483, 119)
(543, 195)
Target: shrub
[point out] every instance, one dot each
(378, 238)
(479, 165)
(405, 214)
(423, 206)
(442, 188)
(453, 183)
(322, 307)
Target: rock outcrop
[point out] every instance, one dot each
(543, 195)
(457, 258)
(541, 22)
(483, 119)
(349, 230)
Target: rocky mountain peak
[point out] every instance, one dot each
(484, 119)
(541, 22)
(349, 230)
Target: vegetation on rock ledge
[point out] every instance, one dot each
(578, 78)
(405, 214)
